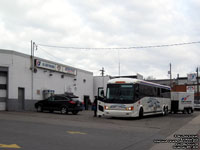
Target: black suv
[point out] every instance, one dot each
(63, 103)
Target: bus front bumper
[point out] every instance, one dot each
(120, 113)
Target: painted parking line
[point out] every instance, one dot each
(9, 146)
(76, 132)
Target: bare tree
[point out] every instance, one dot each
(150, 78)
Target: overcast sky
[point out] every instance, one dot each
(106, 23)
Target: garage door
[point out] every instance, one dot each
(3, 90)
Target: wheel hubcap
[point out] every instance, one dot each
(63, 110)
(39, 108)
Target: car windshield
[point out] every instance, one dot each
(120, 92)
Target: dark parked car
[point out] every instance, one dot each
(63, 103)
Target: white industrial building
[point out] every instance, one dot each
(20, 87)
(100, 82)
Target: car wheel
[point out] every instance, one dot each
(64, 110)
(39, 109)
(74, 112)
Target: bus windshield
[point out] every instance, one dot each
(120, 93)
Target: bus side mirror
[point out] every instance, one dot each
(102, 93)
(137, 95)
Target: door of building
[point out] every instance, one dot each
(3, 90)
(21, 101)
(86, 101)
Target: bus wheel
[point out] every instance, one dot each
(141, 113)
(164, 111)
(184, 111)
(189, 111)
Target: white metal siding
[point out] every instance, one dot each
(3, 80)
(20, 76)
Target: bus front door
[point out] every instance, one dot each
(100, 108)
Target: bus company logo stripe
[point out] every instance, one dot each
(153, 102)
(185, 98)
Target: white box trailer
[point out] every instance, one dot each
(182, 101)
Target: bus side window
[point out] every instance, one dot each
(165, 93)
(137, 94)
(158, 92)
(154, 91)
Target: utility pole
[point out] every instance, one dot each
(33, 46)
(170, 71)
(119, 62)
(31, 70)
(102, 71)
(177, 78)
(102, 74)
(197, 83)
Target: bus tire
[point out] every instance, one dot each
(164, 111)
(184, 111)
(189, 111)
(141, 113)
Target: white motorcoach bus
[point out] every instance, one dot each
(126, 97)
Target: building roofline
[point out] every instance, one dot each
(180, 78)
(12, 52)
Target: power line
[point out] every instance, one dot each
(51, 55)
(131, 47)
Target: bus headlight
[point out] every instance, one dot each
(106, 107)
(130, 108)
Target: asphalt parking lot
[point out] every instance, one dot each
(53, 131)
